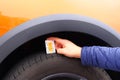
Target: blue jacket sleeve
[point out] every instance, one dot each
(103, 57)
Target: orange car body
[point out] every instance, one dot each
(16, 12)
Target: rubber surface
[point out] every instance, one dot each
(38, 66)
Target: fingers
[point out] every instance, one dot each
(60, 51)
(56, 39)
(59, 43)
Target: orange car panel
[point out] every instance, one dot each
(16, 12)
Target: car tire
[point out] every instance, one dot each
(41, 66)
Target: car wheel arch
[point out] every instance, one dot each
(55, 23)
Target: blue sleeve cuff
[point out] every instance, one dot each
(85, 57)
(92, 56)
(104, 57)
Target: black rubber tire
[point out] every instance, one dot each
(39, 65)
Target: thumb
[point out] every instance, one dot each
(60, 51)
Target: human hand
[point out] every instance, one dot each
(66, 47)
